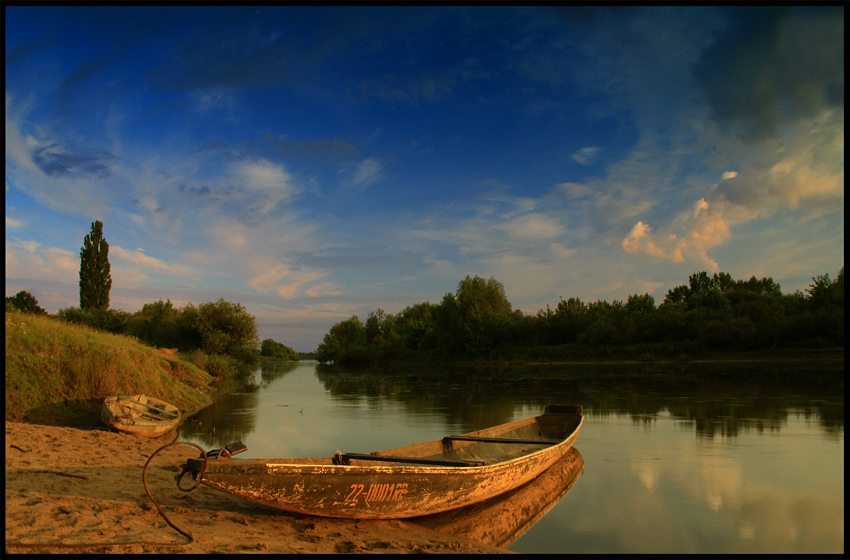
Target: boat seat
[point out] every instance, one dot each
(502, 440)
(344, 458)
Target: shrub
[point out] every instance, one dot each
(109, 320)
(24, 301)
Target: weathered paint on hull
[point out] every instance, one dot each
(500, 521)
(382, 491)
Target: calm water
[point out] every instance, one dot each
(704, 458)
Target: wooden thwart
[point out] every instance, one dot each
(502, 440)
(344, 457)
(165, 412)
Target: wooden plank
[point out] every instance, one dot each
(166, 412)
(416, 460)
(503, 440)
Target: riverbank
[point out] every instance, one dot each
(84, 487)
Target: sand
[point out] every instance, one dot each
(84, 487)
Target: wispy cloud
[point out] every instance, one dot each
(572, 152)
(587, 156)
(30, 259)
(366, 172)
(139, 260)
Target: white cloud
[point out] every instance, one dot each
(29, 259)
(367, 172)
(138, 259)
(283, 280)
(805, 164)
(533, 226)
(587, 156)
(266, 184)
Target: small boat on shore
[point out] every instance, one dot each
(140, 415)
(410, 481)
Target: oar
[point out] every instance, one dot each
(167, 413)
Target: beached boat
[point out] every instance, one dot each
(140, 415)
(410, 481)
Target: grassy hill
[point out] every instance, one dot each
(59, 373)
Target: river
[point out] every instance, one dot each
(672, 458)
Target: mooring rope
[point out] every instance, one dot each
(147, 491)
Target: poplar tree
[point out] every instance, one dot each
(95, 280)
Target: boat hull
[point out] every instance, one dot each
(382, 490)
(140, 415)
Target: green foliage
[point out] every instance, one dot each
(273, 349)
(477, 298)
(448, 323)
(345, 343)
(226, 328)
(95, 279)
(640, 304)
(214, 329)
(59, 372)
(414, 326)
(826, 293)
(157, 324)
(108, 320)
(710, 313)
(26, 302)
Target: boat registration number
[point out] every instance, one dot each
(377, 492)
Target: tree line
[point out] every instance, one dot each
(709, 313)
(221, 335)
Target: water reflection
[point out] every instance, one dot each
(502, 520)
(717, 399)
(232, 414)
(683, 458)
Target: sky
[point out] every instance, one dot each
(314, 163)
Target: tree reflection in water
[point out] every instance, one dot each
(717, 398)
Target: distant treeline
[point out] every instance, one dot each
(710, 313)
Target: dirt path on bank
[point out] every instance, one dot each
(74, 486)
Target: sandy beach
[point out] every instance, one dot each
(84, 487)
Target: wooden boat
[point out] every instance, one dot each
(140, 415)
(409, 481)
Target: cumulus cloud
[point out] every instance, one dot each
(803, 171)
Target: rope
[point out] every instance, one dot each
(147, 491)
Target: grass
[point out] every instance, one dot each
(59, 373)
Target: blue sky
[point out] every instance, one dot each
(312, 163)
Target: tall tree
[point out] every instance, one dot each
(95, 280)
